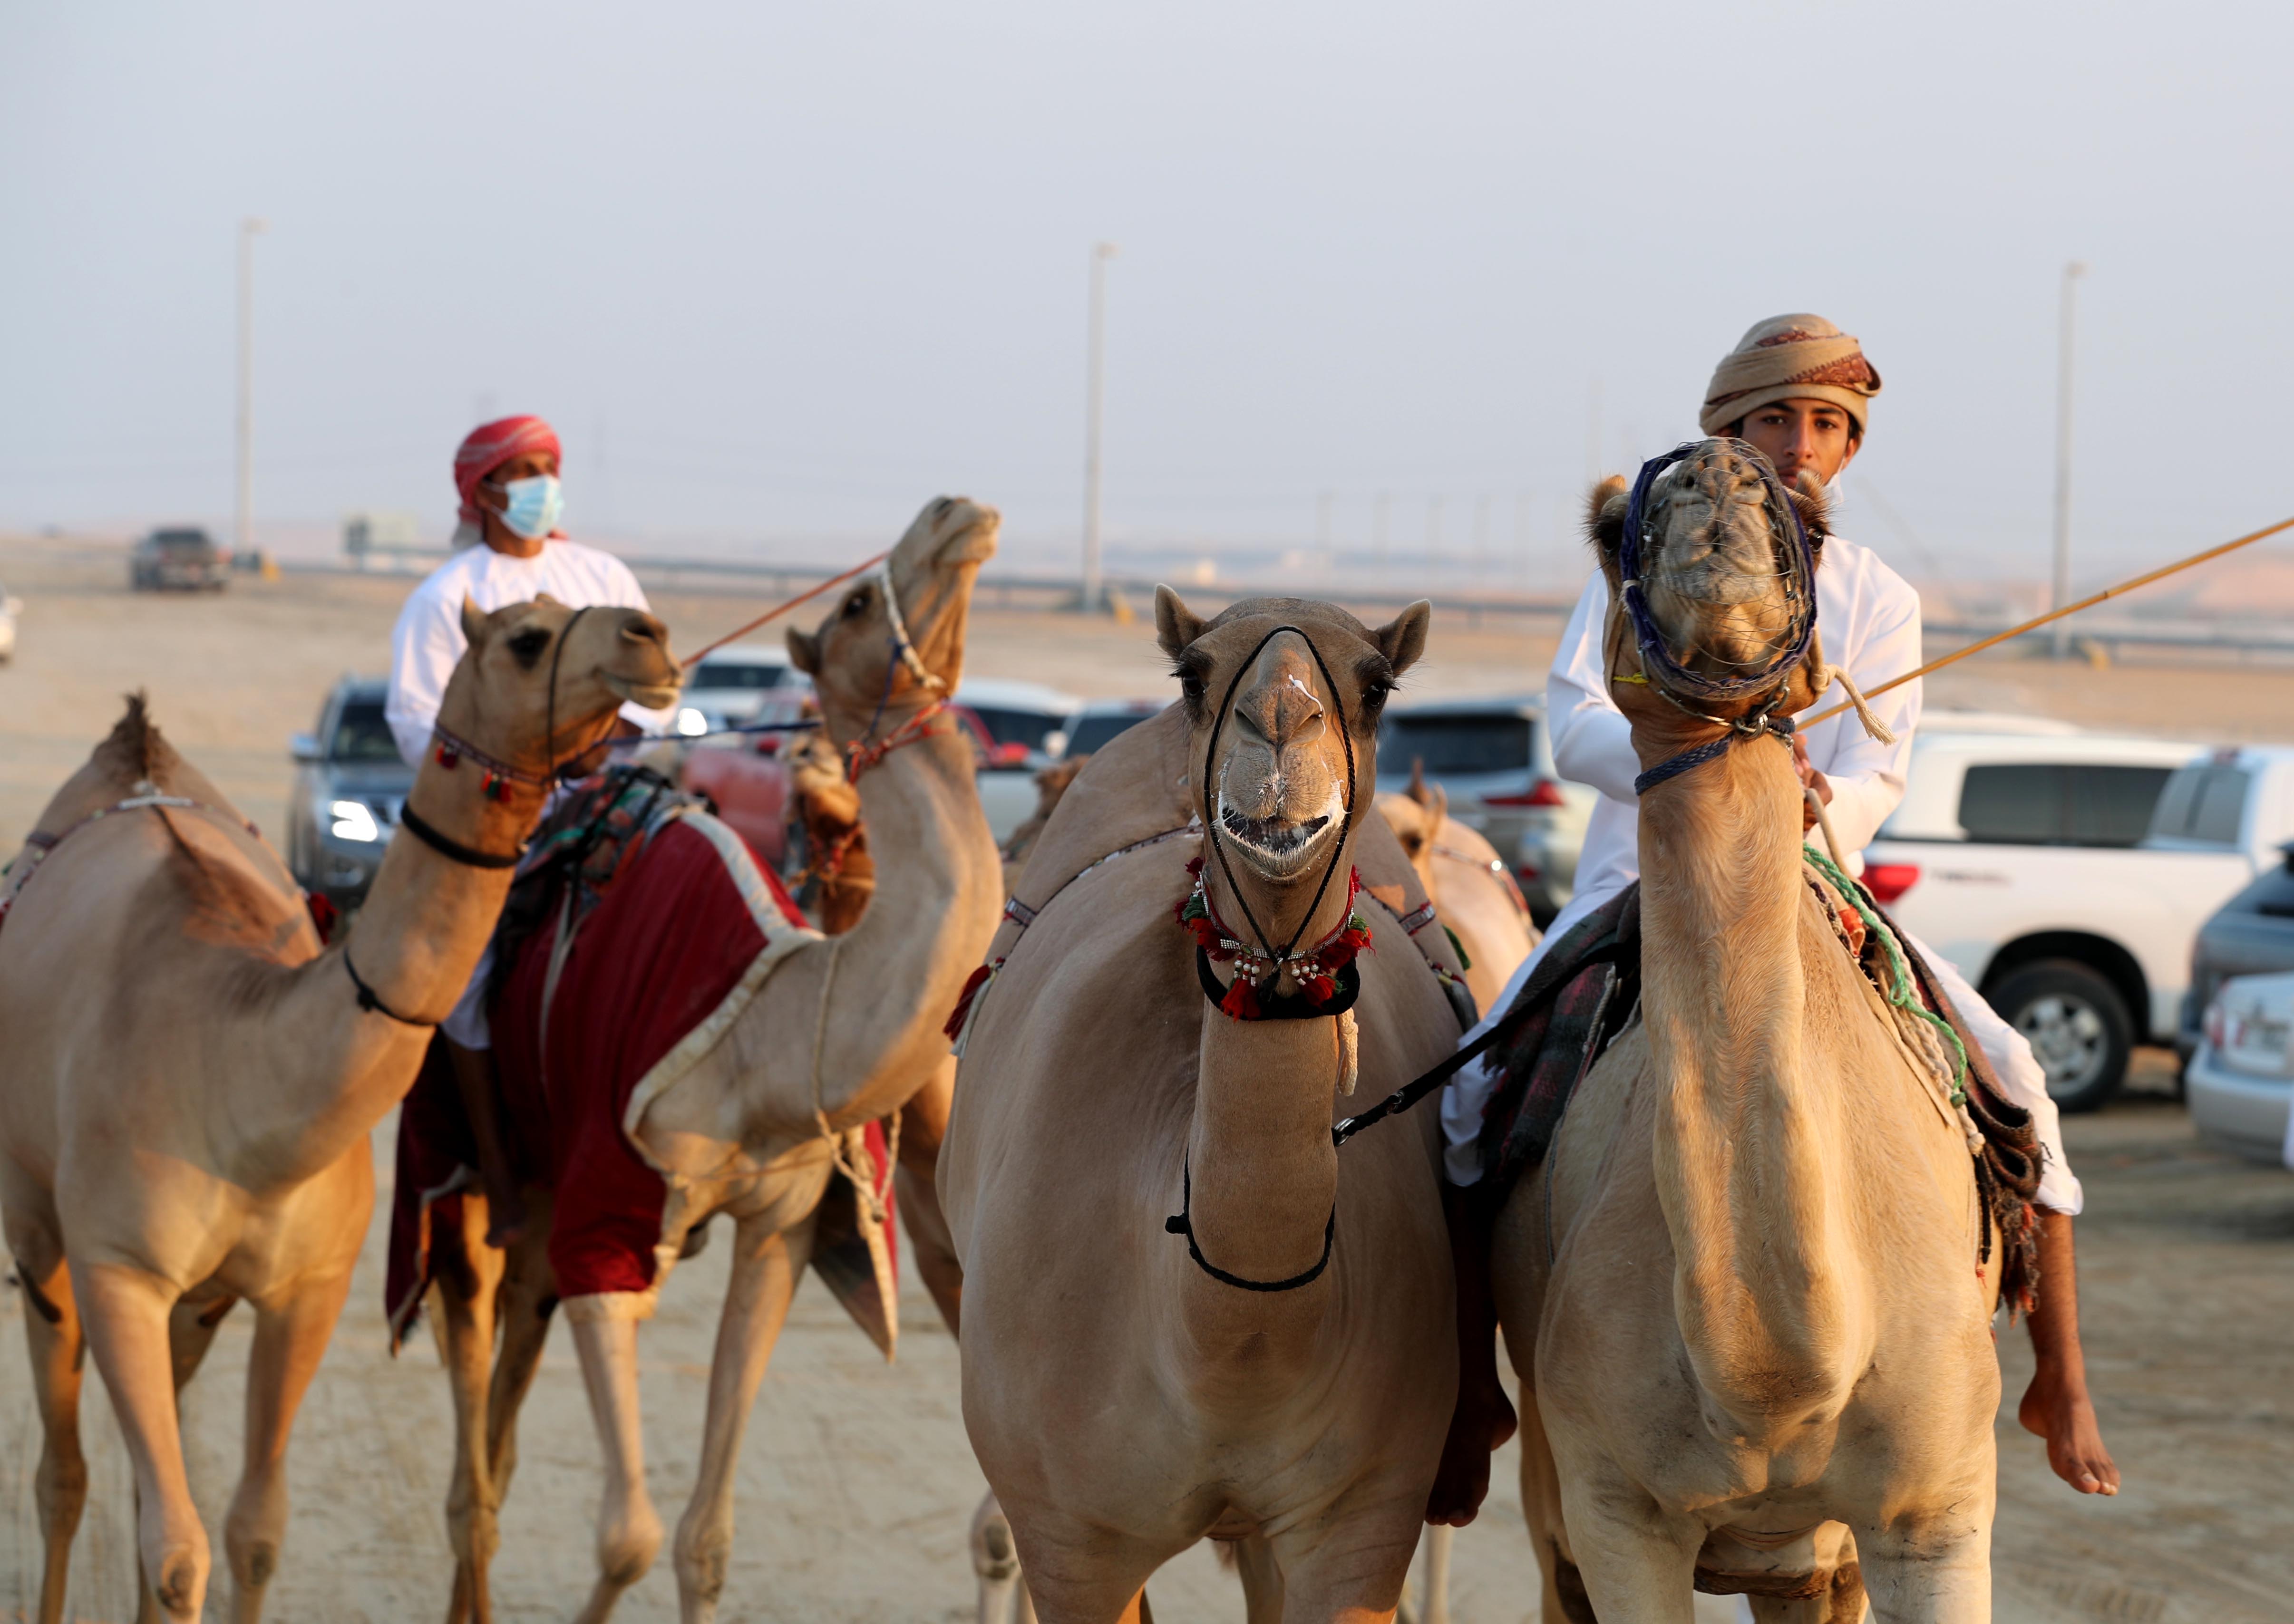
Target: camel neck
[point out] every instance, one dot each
(1747, 1131)
(416, 940)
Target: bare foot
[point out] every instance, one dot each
(1482, 1422)
(2064, 1416)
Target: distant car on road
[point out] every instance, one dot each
(1097, 722)
(736, 686)
(1494, 760)
(2241, 1079)
(350, 787)
(182, 558)
(1019, 722)
(10, 608)
(2066, 875)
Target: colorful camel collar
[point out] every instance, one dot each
(1325, 974)
(864, 755)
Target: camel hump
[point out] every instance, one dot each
(136, 752)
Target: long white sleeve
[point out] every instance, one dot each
(1592, 742)
(1870, 624)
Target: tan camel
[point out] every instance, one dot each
(852, 1023)
(1754, 1324)
(187, 1078)
(839, 874)
(1124, 1399)
(1467, 882)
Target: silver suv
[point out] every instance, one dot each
(350, 785)
(1493, 758)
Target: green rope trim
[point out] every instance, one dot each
(1901, 995)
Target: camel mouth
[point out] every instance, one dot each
(1279, 846)
(647, 695)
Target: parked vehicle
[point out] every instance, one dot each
(735, 685)
(10, 608)
(1097, 722)
(2250, 935)
(2066, 874)
(1019, 717)
(350, 786)
(1494, 760)
(2241, 1080)
(180, 559)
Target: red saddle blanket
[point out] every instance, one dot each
(596, 1008)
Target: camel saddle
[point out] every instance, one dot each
(636, 928)
(1585, 992)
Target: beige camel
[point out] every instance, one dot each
(850, 1023)
(1467, 882)
(1125, 1400)
(824, 805)
(187, 1079)
(1754, 1324)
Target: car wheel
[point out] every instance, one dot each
(2078, 1027)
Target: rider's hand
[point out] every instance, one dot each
(1811, 779)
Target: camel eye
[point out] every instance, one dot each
(855, 605)
(527, 645)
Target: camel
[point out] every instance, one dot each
(1752, 1333)
(1270, 1366)
(752, 1118)
(1467, 880)
(838, 875)
(187, 1077)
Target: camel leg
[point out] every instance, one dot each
(1634, 1561)
(1004, 1597)
(1929, 1573)
(629, 1529)
(526, 1300)
(1262, 1581)
(464, 1292)
(126, 1316)
(923, 1124)
(290, 1339)
(58, 1348)
(766, 1265)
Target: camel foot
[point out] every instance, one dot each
(1483, 1420)
(181, 1584)
(2061, 1412)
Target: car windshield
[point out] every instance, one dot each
(1095, 733)
(1455, 744)
(2202, 802)
(736, 674)
(361, 734)
(1005, 725)
(182, 541)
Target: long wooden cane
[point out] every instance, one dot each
(2053, 614)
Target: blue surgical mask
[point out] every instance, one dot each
(531, 505)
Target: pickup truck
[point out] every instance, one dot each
(2066, 875)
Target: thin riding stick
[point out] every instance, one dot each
(769, 614)
(2056, 614)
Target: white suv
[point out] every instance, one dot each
(2066, 875)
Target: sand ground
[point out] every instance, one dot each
(857, 1483)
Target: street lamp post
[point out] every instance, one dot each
(243, 514)
(1095, 410)
(2066, 320)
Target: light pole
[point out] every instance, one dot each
(1095, 411)
(243, 518)
(2066, 319)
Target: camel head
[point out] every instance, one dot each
(1415, 816)
(1719, 575)
(855, 658)
(540, 679)
(1277, 690)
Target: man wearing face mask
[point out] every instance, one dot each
(510, 550)
(1799, 391)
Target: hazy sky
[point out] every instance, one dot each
(784, 272)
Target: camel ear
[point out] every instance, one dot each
(804, 652)
(1403, 639)
(1175, 624)
(1604, 518)
(1418, 792)
(474, 621)
(1441, 806)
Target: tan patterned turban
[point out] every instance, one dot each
(1790, 357)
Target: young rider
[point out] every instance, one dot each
(1798, 390)
(508, 550)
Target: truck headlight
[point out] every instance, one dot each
(353, 820)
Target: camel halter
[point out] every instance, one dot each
(1765, 685)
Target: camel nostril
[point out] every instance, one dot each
(645, 629)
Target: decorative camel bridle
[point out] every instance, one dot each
(1766, 684)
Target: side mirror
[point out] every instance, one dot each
(304, 748)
